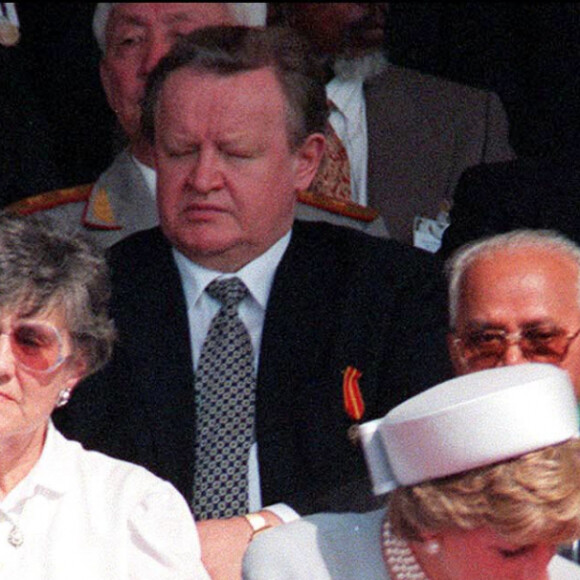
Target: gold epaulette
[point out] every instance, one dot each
(338, 206)
(50, 200)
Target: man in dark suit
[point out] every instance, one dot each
(525, 193)
(133, 36)
(408, 135)
(343, 325)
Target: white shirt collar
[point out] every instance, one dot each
(258, 275)
(346, 95)
(48, 472)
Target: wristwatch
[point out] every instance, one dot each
(258, 524)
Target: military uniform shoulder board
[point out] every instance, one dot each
(50, 200)
(338, 206)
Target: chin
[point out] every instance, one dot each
(202, 245)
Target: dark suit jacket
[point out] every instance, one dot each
(339, 298)
(423, 132)
(525, 193)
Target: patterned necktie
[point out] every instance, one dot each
(333, 176)
(225, 405)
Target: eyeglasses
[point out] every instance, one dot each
(36, 346)
(485, 348)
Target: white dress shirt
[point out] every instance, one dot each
(258, 276)
(81, 515)
(348, 119)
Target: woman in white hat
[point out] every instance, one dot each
(483, 471)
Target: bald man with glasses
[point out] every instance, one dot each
(515, 298)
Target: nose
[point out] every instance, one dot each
(154, 49)
(6, 356)
(205, 175)
(513, 355)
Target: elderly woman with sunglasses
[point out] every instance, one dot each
(65, 512)
(485, 476)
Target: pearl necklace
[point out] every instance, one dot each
(398, 557)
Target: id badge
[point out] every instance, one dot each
(428, 233)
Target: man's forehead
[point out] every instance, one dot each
(147, 14)
(261, 78)
(228, 107)
(506, 262)
(259, 87)
(530, 281)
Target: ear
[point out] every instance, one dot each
(77, 370)
(456, 359)
(426, 536)
(307, 159)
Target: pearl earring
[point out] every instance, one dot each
(63, 398)
(432, 547)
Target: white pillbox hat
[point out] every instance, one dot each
(470, 421)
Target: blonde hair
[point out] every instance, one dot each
(530, 499)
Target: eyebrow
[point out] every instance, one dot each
(129, 19)
(485, 325)
(173, 17)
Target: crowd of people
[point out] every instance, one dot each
(259, 317)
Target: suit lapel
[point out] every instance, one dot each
(158, 339)
(304, 351)
(285, 364)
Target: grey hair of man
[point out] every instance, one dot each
(463, 258)
(230, 50)
(244, 13)
(43, 267)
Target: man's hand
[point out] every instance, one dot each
(224, 542)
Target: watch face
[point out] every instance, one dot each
(257, 523)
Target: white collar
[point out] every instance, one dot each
(258, 275)
(361, 68)
(346, 95)
(52, 471)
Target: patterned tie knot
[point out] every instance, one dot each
(229, 292)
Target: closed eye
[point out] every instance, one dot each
(177, 152)
(240, 155)
(237, 152)
(542, 335)
(127, 41)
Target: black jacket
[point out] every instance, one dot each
(339, 298)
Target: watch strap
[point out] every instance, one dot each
(257, 522)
